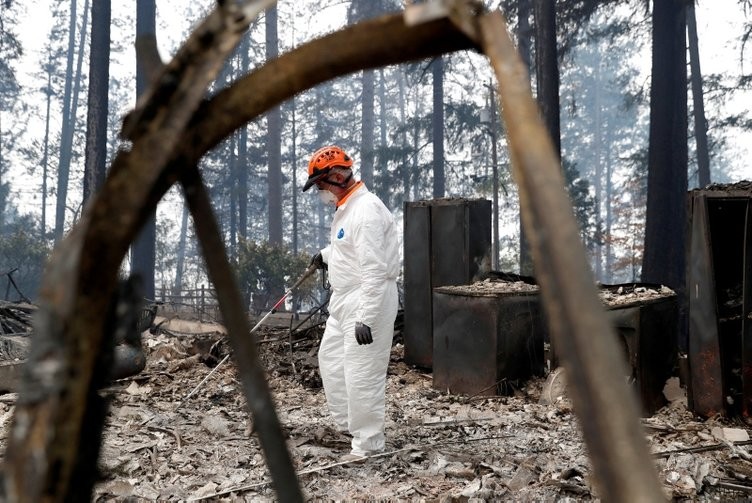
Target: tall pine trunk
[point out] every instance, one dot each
(367, 126)
(180, 263)
(698, 101)
(243, 151)
(663, 260)
(598, 164)
(99, 75)
(46, 157)
(547, 67)
(274, 140)
(294, 126)
(384, 187)
(405, 163)
(437, 123)
(524, 44)
(143, 251)
(70, 107)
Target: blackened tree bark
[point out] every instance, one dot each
(437, 123)
(70, 102)
(367, 126)
(99, 75)
(547, 67)
(405, 161)
(663, 259)
(180, 265)
(384, 188)
(361, 10)
(547, 77)
(243, 151)
(698, 101)
(274, 140)
(46, 156)
(524, 44)
(143, 251)
(358, 11)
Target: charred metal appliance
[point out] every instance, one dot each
(446, 242)
(488, 337)
(719, 291)
(645, 318)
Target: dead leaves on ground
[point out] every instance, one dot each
(442, 447)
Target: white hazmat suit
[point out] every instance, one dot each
(363, 261)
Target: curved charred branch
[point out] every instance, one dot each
(52, 407)
(245, 353)
(349, 50)
(607, 409)
(42, 457)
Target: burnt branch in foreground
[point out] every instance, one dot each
(170, 130)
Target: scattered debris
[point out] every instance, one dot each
(439, 446)
(631, 294)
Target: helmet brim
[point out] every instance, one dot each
(314, 178)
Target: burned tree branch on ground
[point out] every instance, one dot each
(42, 457)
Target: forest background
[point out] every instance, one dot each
(417, 131)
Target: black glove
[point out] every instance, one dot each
(318, 261)
(363, 333)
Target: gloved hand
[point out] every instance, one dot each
(318, 261)
(363, 333)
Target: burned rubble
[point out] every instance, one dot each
(441, 446)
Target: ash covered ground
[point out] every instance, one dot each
(441, 447)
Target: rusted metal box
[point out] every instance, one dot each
(486, 339)
(446, 242)
(645, 318)
(719, 291)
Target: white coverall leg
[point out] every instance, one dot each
(354, 375)
(363, 259)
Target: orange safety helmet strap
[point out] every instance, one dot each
(323, 161)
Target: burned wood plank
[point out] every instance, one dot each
(53, 406)
(623, 467)
(56, 407)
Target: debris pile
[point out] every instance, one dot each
(621, 295)
(492, 287)
(15, 318)
(15, 328)
(440, 446)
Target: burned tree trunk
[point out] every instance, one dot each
(169, 131)
(56, 408)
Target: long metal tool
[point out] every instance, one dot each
(311, 269)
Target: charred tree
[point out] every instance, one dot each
(99, 75)
(698, 100)
(437, 127)
(242, 173)
(174, 127)
(70, 107)
(663, 260)
(169, 132)
(547, 67)
(524, 44)
(274, 140)
(143, 252)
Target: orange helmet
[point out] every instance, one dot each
(323, 160)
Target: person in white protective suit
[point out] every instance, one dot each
(363, 263)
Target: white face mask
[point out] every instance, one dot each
(327, 197)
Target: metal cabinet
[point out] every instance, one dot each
(719, 292)
(446, 242)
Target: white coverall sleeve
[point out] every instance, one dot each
(369, 243)
(325, 253)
